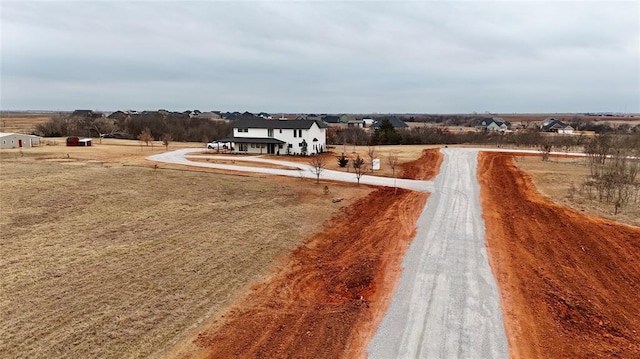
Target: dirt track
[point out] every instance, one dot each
(570, 283)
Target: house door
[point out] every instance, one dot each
(271, 148)
(19, 143)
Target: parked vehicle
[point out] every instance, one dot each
(217, 145)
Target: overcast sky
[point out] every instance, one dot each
(322, 57)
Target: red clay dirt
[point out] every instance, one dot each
(569, 283)
(329, 297)
(330, 294)
(424, 168)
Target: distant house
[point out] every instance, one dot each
(355, 123)
(554, 125)
(86, 114)
(118, 115)
(18, 140)
(395, 122)
(208, 115)
(368, 121)
(294, 137)
(331, 119)
(492, 124)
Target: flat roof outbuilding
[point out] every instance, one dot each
(18, 140)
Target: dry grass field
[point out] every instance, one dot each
(22, 122)
(555, 178)
(103, 256)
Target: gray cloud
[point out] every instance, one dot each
(322, 56)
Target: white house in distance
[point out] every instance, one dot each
(278, 137)
(18, 140)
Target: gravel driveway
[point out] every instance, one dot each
(303, 170)
(447, 303)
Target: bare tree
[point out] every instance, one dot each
(545, 150)
(371, 153)
(145, 136)
(392, 160)
(359, 167)
(317, 166)
(166, 138)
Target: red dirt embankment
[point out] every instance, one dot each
(329, 298)
(570, 283)
(424, 168)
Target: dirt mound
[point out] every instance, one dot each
(418, 170)
(332, 292)
(570, 283)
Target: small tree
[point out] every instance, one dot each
(317, 166)
(205, 140)
(166, 138)
(545, 151)
(392, 160)
(343, 161)
(145, 136)
(359, 167)
(371, 153)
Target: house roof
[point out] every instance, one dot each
(331, 119)
(395, 122)
(484, 122)
(277, 124)
(251, 140)
(4, 134)
(552, 124)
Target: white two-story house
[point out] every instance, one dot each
(278, 137)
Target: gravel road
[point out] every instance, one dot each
(447, 303)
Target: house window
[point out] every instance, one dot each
(290, 145)
(299, 133)
(244, 147)
(280, 145)
(270, 132)
(243, 130)
(295, 133)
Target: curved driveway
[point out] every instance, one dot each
(303, 170)
(446, 304)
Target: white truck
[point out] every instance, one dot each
(217, 145)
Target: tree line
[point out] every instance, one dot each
(177, 126)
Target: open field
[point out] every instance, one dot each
(105, 256)
(568, 281)
(555, 179)
(105, 260)
(22, 122)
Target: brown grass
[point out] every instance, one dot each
(22, 122)
(555, 177)
(105, 260)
